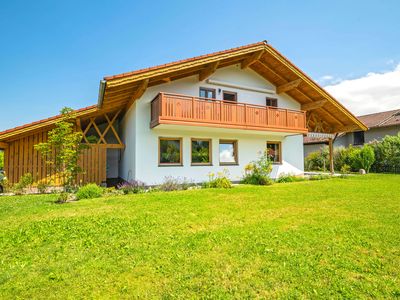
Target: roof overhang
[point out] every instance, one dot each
(325, 113)
(17, 132)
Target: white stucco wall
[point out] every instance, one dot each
(140, 157)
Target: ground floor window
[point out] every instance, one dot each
(170, 151)
(228, 153)
(274, 151)
(201, 152)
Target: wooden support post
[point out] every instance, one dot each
(331, 168)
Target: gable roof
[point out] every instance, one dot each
(121, 90)
(265, 60)
(382, 119)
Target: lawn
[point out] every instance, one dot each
(334, 238)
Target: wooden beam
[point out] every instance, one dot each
(252, 59)
(331, 165)
(207, 72)
(3, 145)
(313, 105)
(347, 128)
(138, 92)
(288, 86)
(269, 69)
(168, 79)
(112, 126)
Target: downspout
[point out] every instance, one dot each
(102, 89)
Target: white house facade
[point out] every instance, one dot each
(140, 160)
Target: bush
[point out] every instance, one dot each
(63, 197)
(387, 154)
(112, 191)
(345, 169)
(24, 182)
(42, 187)
(89, 191)
(174, 184)
(219, 181)
(364, 158)
(320, 177)
(132, 187)
(283, 178)
(258, 172)
(317, 160)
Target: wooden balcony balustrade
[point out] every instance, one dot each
(186, 110)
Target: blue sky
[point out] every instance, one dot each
(53, 53)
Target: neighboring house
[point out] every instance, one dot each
(191, 117)
(379, 125)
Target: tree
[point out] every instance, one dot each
(63, 148)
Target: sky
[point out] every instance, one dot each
(54, 53)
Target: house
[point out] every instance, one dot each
(191, 117)
(379, 125)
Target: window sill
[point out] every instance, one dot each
(200, 165)
(170, 165)
(229, 164)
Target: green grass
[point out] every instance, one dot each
(336, 238)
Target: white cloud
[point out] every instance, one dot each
(328, 80)
(374, 92)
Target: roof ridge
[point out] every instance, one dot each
(121, 75)
(395, 112)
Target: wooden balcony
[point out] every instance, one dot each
(186, 110)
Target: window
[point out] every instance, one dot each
(273, 102)
(170, 151)
(201, 152)
(359, 138)
(207, 93)
(274, 151)
(228, 152)
(229, 96)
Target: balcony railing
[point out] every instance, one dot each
(186, 110)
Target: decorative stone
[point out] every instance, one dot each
(362, 172)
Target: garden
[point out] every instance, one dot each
(378, 156)
(309, 239)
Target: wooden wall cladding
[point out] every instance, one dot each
(21, 158)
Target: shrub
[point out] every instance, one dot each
(363, 158)
(320, 177)
(112, 191)
(317, 160)
(132, 187)
(89, 191)
(219, 181)
(283, 178)
(65, 197)
(24, 182)
(345, 169)
(42, 187)
(258, 172)
(387, 154)
(343, 156)
(174, 184)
